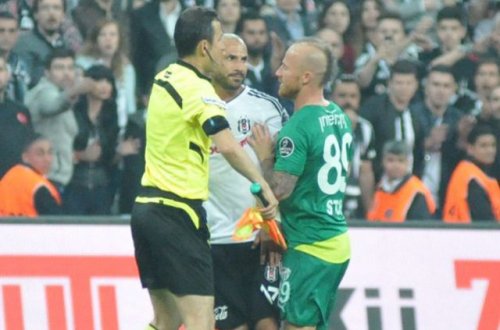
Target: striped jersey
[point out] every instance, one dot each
(229, 191)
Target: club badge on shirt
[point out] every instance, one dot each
(286, 147)
(244, 125)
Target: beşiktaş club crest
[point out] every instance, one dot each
(244, 125)
(271, 273)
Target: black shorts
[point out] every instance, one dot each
(245, 291)
(170, 251)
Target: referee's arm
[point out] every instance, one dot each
(235, 155)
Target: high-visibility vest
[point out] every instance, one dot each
(456, 207)
(393, 207)
(18, 188)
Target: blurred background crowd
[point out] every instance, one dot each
(75, 77)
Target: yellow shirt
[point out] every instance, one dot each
(177, 147)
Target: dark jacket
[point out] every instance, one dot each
(450, 153)
(15, 129)
(106, 130)
(150, 42)
(380, 112)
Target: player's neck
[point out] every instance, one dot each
(309, 96)
(227, 94)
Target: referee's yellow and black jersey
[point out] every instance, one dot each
(182, 108)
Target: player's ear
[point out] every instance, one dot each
(307, 76)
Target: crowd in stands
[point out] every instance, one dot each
(419, 79)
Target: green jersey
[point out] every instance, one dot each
(316, 146)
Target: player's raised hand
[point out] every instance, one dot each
(262, 142)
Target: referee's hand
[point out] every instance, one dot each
(269, 211)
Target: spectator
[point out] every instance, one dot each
(89, 191)
(365, 30)
(481, 17)
(105, 45)
(252, 28)
(336, 16)
(486, 77)
(24, 190)
(334, 39)
(19, 77)
(414, 10)
(15, 124)
(492, 41)
(287, 21)
(152, 31)
(439, 121)
(24, 13)
(133, 162)
(229, 13)
(473, 194)
(34, 46)
(361, 180)
(88, 13)
(373, 66)
(451, 31)
(494, 123)
(391, 117)
(400, 196)
(51, 106)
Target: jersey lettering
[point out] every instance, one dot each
(335, 158)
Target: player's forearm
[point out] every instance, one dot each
(267, 166)
(282, 184)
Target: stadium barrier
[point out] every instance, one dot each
(80, 274)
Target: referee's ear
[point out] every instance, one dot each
(203, 49)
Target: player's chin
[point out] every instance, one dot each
(284, 92)
(236, 81)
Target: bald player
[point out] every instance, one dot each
(246, 292)
(308, 176)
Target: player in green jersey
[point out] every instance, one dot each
(307, 169)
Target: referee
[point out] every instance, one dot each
(168, 221)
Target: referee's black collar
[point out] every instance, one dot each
(193, 68)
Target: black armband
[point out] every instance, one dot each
(214, 125)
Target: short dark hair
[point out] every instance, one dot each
(451, 13)
(391, 15)
(58, 53)
(7, 15)
(31, 139)
(485, 61)
(478, 131)
(217, 2)
(346, 78)
(397, 147)
(193, 26)
(404, 67)
(441, 68)
(36, 4)
(250, 15)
